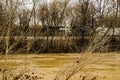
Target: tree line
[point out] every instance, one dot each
(81, 16)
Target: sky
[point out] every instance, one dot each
(29, 2)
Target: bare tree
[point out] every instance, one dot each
(9, 17)
(52, 15)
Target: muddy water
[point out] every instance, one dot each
(47, 66)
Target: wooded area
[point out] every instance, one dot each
(21, 27)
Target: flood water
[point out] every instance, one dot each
(105, 66)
